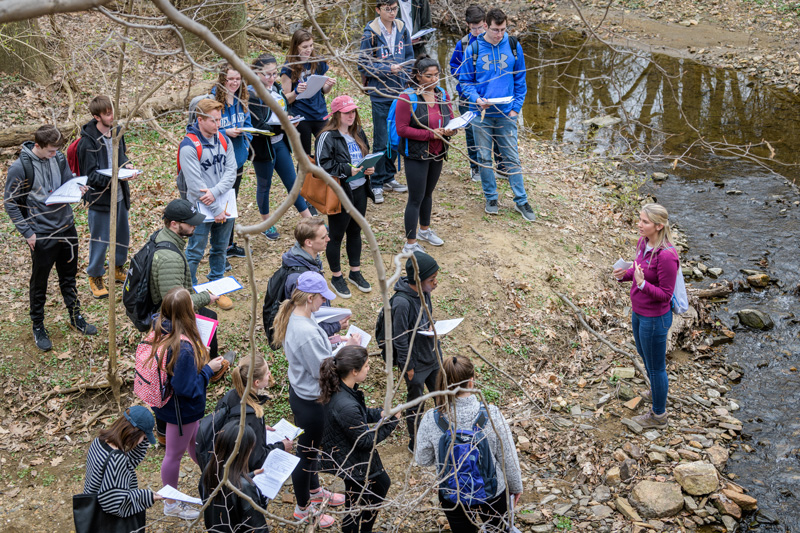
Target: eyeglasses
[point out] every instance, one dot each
(390, 9)
(498, 30)
(270, 74)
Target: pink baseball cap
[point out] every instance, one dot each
(343, 104)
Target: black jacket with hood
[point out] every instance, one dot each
(92, 156)
(260, 451)
(231, 514)
(425, 353)
(350, 435)
(333, 156)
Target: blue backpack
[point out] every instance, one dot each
(466, 466)
(391, 123)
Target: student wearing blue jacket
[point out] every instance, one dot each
(175, 331)
(385, 62)
(497, 71)
(232, 94)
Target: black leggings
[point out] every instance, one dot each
(373, 496)
(463, 519)
(236, 184)
(422, 177)
(341, 225)
(310, 416)
(306, 128)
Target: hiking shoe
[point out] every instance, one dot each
(334, 498)
(340, 286)
(79, 324)
(272, 234)
(358, 280)
(476, 176)
(224, 303)
(181, 510)
(652, 420)
(227, 362)
(491, 207)
(526, 211)
(228, 265)
(394, 186)
(98, 288)
(429, 236)
(378, 193)
(235, 251)
(120, 273)
(325, 520)
(647, 396)
(42, 338)
(411, 248)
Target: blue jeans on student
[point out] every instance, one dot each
(503, 131)
(385, 168)
(284, 166)
(219, 235)
(650, 334)
(99, 229)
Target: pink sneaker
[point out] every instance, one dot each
(335, 499)
(325, 520)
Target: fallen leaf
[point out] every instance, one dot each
(57, 460)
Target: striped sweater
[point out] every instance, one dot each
(117, 488)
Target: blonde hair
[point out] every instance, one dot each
(458, 370)
(207, 105)
(297, 299)
(657, 214)
(239, 378)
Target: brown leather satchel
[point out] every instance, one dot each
(317, 193)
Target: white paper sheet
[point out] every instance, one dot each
(422, 33)
(283, 430)
(257, 131)
(329, 314)
(68, 193)
(314, 85)
(621, 263)
(206, 327)
(227, 201)
(500, 101)
(461, 122)
(220, 286)
(443, 327)
(365, 338)
(171, 493)
(124, 173)
(277, 469)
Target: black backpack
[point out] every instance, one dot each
(380, 328)
(207, 430)
(274, 297)
(136, 298)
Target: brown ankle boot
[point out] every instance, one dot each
(99, 290)
(652, 420)
(120, 273)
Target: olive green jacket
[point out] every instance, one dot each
(171, 270)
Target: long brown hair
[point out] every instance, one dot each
(297, 299)
(293, 60)
(239, 378)
(333, 369)
(353, 131)
(177, 308)
(222, 92)
(122, 434)
(457, 372)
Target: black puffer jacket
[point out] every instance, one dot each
(261, 449)
(92, 156)
(350, 434)
(333, 156)
(232, 514)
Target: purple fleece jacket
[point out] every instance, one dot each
(660, 269)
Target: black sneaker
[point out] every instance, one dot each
(526, 211)
(235, 251)
(491, 207)
(340, 286)
(77, 322)
(358, 280)
(42, 338)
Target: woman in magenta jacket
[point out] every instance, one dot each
(653, 274)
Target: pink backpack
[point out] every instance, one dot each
(151, 381)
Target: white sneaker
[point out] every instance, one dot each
(411, 248)
(378, 193)
(476, 177)
(429, 236)
(394, 186)
(181, 510)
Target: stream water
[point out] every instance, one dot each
(736, 213)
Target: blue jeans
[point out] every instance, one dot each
(283, 165)
(99, 229)
(503, 131)
(650, 334)
(196, 247)
(385, 168)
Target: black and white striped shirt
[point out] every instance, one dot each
(117, 488)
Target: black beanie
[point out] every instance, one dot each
(427, 267)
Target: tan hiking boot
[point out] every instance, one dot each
(650, 420)
(120, 273)
(224, 303)
(99, 290)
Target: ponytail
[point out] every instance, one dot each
(281, 321)
(333, 369)
(457, 373)
(239, 378)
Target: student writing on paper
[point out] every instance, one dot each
(271, 154)
(340, 148)
(422, 117)
(48, 230)
(94, 151)
(306, 345)
(111, 465)
(228, 512)
(351, 432)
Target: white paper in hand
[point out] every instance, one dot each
(171, 493)
(277, 469)
(365, 338)
(68, 193)
(283, 430)
(460, 122)
(124, 173)
(220, 286)
(314, 84)
(500, 101)
(331, 314)
(443, 327)
(621, 263)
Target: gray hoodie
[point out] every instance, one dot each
(306, 345)
(28, 212)
(215, 170)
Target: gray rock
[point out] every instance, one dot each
(602, 121)
(575, 410)
(657, 457)
(562, 509)
(715, 272)
(601, 494)
(659, 176)
(730, 523)
(602, 400)
(624, 372)
(548, 499)
(624, 507)
(601, 511)
(544, 528)
(652, 435)
(657, 500)
(632, 425)
(626, 392)
(697, 478)
(531, 518)
(755, 319)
